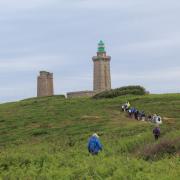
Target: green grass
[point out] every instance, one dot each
(46, 138)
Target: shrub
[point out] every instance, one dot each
(157, 151)
(126, 90)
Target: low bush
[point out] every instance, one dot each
(164, 147)
(126, 90)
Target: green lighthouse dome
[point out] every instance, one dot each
(101, 46)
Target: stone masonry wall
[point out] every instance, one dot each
(79, 94)
(102, 77)
(45, 84)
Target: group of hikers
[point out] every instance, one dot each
(94, 144)
(140, 115)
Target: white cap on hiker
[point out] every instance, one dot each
(95, 135)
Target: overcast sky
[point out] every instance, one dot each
(61, 36)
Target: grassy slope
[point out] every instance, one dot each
(46, 138)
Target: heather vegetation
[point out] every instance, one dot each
(46, 138)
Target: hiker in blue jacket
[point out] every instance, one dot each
(94, 144)
(131, 112)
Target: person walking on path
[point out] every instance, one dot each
(156, 132)
(94, 144)
(128, 105)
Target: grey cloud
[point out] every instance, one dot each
(61, 36)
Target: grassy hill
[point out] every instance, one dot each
(46, 138)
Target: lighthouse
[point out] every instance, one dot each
(101, 74)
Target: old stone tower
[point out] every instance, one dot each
(45, 84)
(102, 76)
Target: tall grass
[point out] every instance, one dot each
(46, 138)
